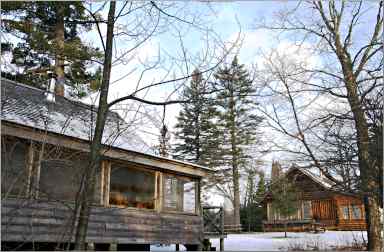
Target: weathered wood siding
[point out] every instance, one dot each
(351, 223)
(325, 211)
(50, 222)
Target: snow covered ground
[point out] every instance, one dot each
(275, 241)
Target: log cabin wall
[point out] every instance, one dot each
(351, 213)
(44, 212)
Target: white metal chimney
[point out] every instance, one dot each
(50, 93)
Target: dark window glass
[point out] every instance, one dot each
(345, 211)
(13, 168)
(356, 212)
(60, 179)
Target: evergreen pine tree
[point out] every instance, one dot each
(48, 41)
(252, 212)
(196, 131)
(238, 122)
(285, 199)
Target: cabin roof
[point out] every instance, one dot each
(320, 180)
(27, 106)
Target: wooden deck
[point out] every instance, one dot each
(293, 226)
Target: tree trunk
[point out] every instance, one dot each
(368, 169)
(59, 56)
(235, 168)
(88, 184)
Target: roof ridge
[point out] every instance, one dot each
(20, 84)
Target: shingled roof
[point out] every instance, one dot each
(28, 106)
(320, 180)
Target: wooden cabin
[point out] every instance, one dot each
(320, 205)
(140, 198)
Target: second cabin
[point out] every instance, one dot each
(320, 205)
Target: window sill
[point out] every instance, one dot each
(131, 208)
(178, 212)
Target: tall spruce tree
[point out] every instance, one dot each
(238, 122)
(196, 130)
(47, 40)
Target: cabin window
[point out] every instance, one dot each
(60, 179)
(306, 209)
(13, 167)
(356, 212)
(132, 187)
(345, 212)
(179, 194)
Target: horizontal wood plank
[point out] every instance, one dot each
(50, 222)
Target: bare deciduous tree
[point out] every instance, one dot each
(349, 71)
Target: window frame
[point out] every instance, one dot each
(352, 214)
(345, 209)
(109, 167)
(177, 210)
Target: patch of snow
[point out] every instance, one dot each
(275, 241)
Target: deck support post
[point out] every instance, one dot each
(177, 247)
(90, 246)
(113, 247)
(221, 244)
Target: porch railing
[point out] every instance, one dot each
(213, 217)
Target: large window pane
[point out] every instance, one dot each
(13, 167)
(189, 204)
(131, 187)
(179, 194)
(171, 193)
(345, 212)
(356, 212)
(60, 179)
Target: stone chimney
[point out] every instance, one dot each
(49, 94)
(276, 170)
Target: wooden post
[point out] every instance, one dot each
(36, 184)
(113, 247)
(198, 200)
(30, 155)
(90, 246)
(159, 196)
(107, 182)
(221, 244)
(177, 247)
(100, 190)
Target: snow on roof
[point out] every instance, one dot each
(28, 106)
(321, 180)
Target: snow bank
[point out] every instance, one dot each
(275, 241)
